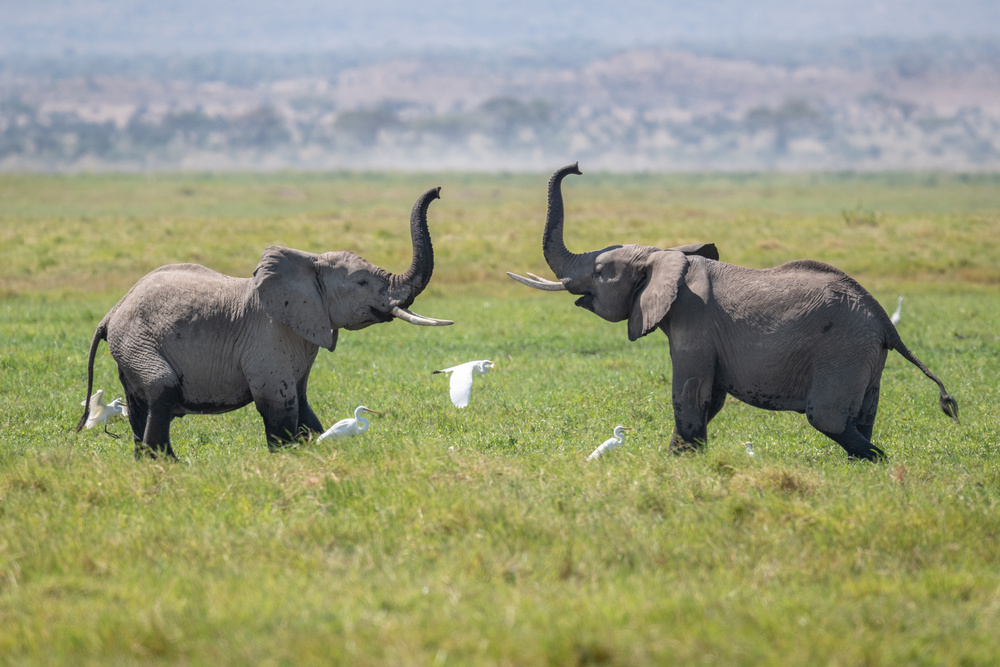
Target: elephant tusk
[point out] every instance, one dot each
(420, 320)
(538, 283)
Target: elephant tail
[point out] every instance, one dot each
(100, 334)
(948, 404)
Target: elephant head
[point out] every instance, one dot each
(632, 282)
(316, 295)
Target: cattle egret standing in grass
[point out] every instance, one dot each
(346, 428)
(896, 316)
(102, 412)
(461, 379)
(610, 443)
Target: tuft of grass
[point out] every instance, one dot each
(481, 535)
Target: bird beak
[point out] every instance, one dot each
(373, 412)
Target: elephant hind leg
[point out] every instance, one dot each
(855, 443)
(137, 411)
(846, 414)
(869, 409)
(156, 436)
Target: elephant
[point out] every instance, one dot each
(803, 336)
(189, 340)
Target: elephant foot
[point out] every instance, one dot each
(679, 445)
(278, 446)
(143, 451)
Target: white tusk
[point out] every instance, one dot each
(538, 283)
(543, 280)
(413, 318)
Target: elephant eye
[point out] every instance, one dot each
(362, 282)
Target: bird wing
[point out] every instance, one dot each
(461, 385)
(96, 401)
(96, 417)
(341, 429)
(608, 444)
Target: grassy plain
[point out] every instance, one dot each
(481, 536)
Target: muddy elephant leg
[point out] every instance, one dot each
(855, 443)
(869, 409)
(159, 414)
(280, 421)
(718, 400)
(693, 405)
(138, 413)
(849, 428)
(308, 421)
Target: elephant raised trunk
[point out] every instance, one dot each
(553, 247)
(569, 266)
(404, 287)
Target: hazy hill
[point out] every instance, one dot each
(123, 84)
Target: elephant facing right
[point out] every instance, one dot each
(803, 336)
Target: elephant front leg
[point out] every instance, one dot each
(308, 422)
(276, 399)
(694, 405)
(280, 421)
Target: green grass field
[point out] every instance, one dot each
(481, 536)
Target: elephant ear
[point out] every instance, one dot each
(287, 282)
(655, 291)
(701, 249)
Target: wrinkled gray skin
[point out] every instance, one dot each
(188, 340)
(803, 336)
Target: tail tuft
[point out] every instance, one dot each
(83, 419)
(950, 406)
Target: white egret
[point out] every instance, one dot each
(102, 412)
(617, 441)
(897, 315)
(749, 446)
(461, 379)
(346, 428)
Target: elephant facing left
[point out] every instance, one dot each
(189, 340)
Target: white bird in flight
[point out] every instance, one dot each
(348, 427)
(461, 379)
(102, 412)
(897, 316)
(610, 443)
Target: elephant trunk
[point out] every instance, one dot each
(553, 247)
(405, 287)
